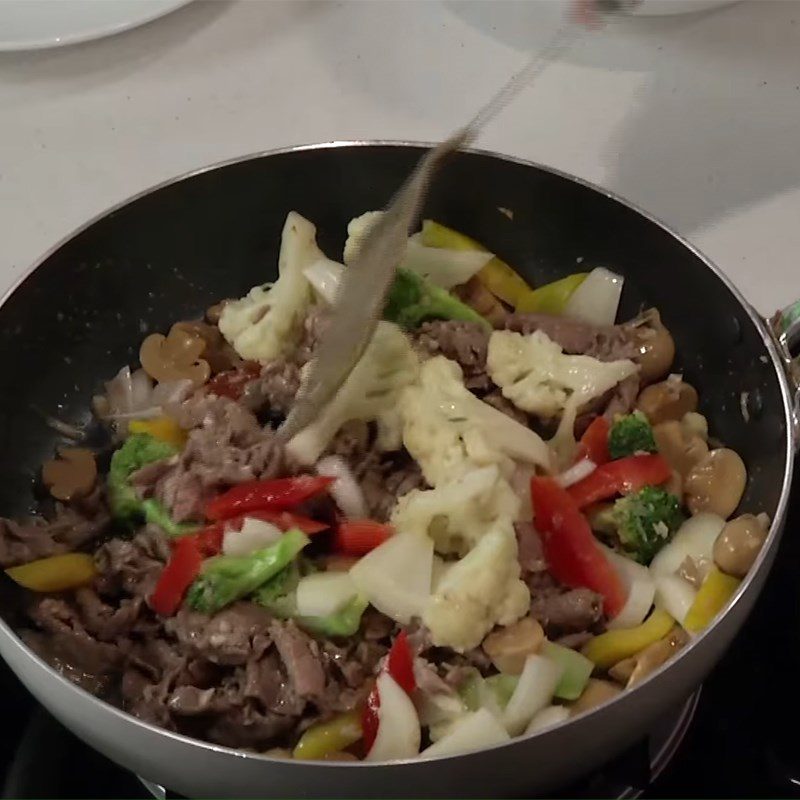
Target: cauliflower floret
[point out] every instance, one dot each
(357, 229)
(456, 515)
(266, 322)
(450, 432)
(370, 392)
(480, 591)
(536, 376)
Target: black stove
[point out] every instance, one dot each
(734, 738)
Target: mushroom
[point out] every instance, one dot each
(716, 483)
(695, 424)
(738, 544)
(72, 474)
(474, 294)
(667, 400)
(175, 357)
(595, 693)
(656, 347)
(510, 646)
(681, 449)
(219, 354)
(631, 670)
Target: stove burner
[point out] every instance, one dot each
(626, 778)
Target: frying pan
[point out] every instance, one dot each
(171, 252)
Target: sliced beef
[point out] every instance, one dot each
(604, 342)
(266, 680)
(190, 701)
(623, 397)
(132, 565)
(68, 529)
(105, 622)
(274, 389)
(571, 611)
(230, 637)
(226, 445)
(529, 548)
(463, 342)
(301, 656)
(314, 326)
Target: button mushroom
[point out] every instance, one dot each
(175, 357)
(716, 483)
(219, 354)
(71, 475)
(510, 646)
(667, 400)
(656, 347)
(681, 449)
(595, 693)
(738, 544)
(631, 671)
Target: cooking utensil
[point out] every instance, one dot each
(171, 252)
(362, 292)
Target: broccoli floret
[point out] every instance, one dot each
(646, 520)
(412, 300)
(631, 434)
(226, 579)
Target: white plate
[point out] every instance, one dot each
(666, 7)
(33, 24)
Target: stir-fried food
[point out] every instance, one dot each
(511, 511)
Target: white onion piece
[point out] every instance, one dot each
(399, 731)
(577, 472)
(675, 596)
(344, 490)
(639, 586)
(534, 691)
(441, 266)
(254, 534)
(695, 539)
(596, 300)
(396, 576)
(547, 718)
(171, 392)
(324, 276)
(472, 732)
(324, 593)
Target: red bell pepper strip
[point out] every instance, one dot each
(209, 539)
(274, 495)
(400, 665)
(622, 476)
(358, 537)
(594, 442)
(176, 577)
(570, 549)
(231, 383)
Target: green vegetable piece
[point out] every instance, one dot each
(278, 595)
(139, 450)
(576, 670)
(502, 687)
(226, 579)
(412, 300)
(646, 521)
(344, 622)
(631, 434)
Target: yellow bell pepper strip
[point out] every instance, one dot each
(608, 648)
(56, 573)
(552, 297)
(325, 738)
(711, 598)
(165, 429)
(500, 279)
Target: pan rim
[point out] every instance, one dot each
(626, 696)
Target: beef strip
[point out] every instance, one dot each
(132, 565)
(300, 654)
(567, 611)
(68, 529)
(226, 445)
(465, 343)
(529, 549)
(275, 388)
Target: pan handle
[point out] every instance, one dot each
(785, 327)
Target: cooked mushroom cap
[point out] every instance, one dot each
(510, 646)
(738, 544)
(716, 483)
(175, 357)
(71, 475)
(681, 449)
(668, 400)
(656, 348)
(595, 693)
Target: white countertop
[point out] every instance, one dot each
(694, 117)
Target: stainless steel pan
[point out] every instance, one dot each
(78, 315)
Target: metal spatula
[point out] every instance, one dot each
(362, 291)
